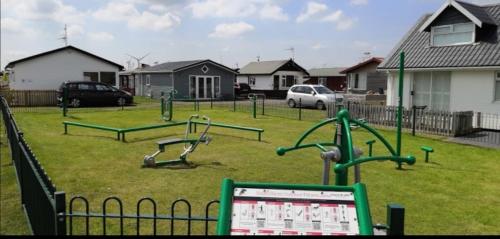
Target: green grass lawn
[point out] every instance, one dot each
(458, 192)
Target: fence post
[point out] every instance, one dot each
(60, 213)
(414, 118)
(254, 111)
(478, 120)
(211, 103)
(263, 105)
(300, 108)
(65, 101)
(234, 104)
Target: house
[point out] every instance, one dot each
(197, 79)
(329, 77)
(364, 78)
(48, 70)
(272, 78)
(452, 60)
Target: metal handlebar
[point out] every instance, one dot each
(188, 147)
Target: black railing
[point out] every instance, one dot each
(45, 207)
(154, 217)
(39, 198)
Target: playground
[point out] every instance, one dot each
(454, 193)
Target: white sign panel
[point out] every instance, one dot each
(293, 212)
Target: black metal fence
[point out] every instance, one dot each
(170, 223)
(45, 207)
(40, 199)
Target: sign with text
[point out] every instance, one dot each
(257, 209)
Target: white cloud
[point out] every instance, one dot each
(318, 46)
(229, 30)
(101, 36)
(11, 25)
(222, 8)
(272, 11)
(484, 2)
(127, 12)
(266, 9)
(341, 21)
(359, 2)
(158, 8)
(313, 8)
(75, 30)
(54, 10)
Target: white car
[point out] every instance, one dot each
(312, 96)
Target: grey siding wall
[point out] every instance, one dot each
(450, 16)
(181, 80)
(159, 82)
(376, 81)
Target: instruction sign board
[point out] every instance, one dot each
(270, 209)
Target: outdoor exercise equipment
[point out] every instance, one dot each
(166, 105)
(427, 151)
(189, 146)
(285, 209)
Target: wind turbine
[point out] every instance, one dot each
(138, 59)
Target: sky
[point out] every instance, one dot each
(323, 33)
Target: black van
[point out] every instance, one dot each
(89, 93)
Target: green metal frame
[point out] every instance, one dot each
(347, 148)
(121, 132)
(228, 186)
(167, 105)
(228, 126)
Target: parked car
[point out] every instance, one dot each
(311, 96)
(242, 89)
(89, 93)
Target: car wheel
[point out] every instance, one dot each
(121, 101)
(320, 105)
(291, 103)
(75, 103)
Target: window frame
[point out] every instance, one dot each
(251, 81)
(452, 31)
(322, 81)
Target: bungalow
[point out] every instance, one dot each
(198, 79)
(452, 60)
(363, 77)
(48, 70)
(272, 78)
(329, 77)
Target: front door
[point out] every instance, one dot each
(204, 87)
(276, 83)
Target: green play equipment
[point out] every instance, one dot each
(260, 209)
(427, 151)
(228, 126)
(166, 105)
(120, 133)
(190, 144)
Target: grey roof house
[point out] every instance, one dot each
(272, 78)
(197, 79)
(452, 60)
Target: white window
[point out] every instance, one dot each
(148, 80)
(322, 81)
(251, 80)
(456, 34)
(497, 87)
(432, 89)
